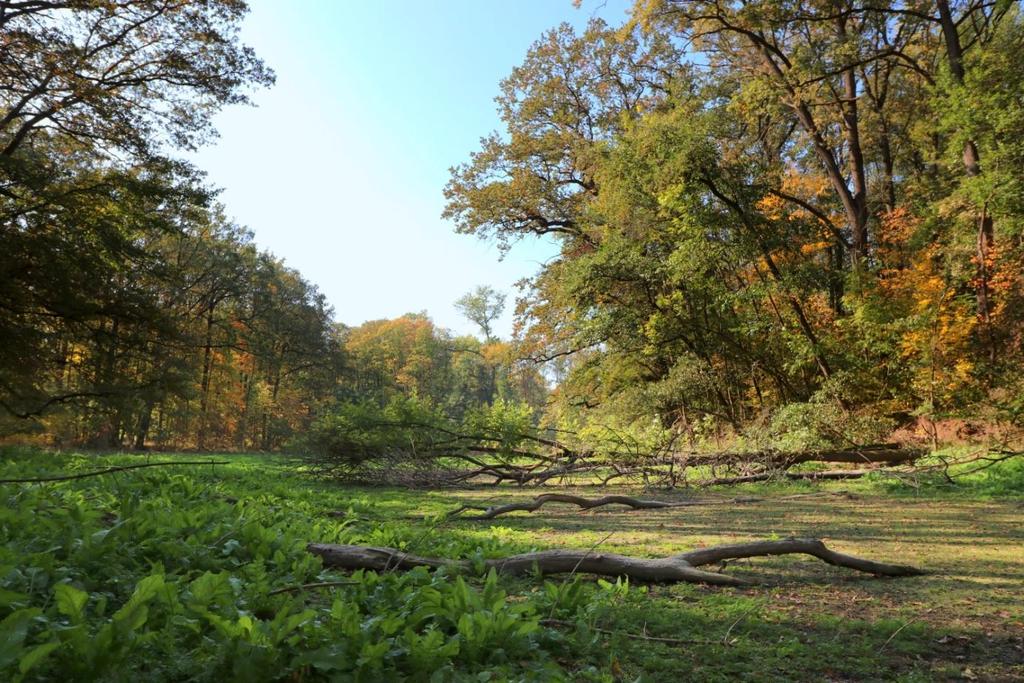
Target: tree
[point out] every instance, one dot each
(482, 306)
(786, 222)
(123, 76)
(571, 94)
(92, 96)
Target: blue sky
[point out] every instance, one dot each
(340, 167)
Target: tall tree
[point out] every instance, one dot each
(482, 307)
(92, 95)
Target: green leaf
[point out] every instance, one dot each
(147, 589)
(210, 588)
(13, 630)
(8, 596)
(131, 617)
(70, 600)
(37, 655)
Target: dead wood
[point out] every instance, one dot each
(490, 512)
(534, 504)
(636, 636)
(541, 472)
(109, 470)
(312, 586)
(890, 453)
(683, 567)
(987, 458)
(813, 476)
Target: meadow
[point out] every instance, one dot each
(201, 573)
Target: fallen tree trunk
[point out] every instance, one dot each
(683, 567)
(869, 454)
(490, 512)
(889, 453)
(876, 454)
(813, 476)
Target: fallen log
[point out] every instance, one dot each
(889, 453)
(683, 567)
(765, 476)
(874, 454)
(490, 512)
(534, 504)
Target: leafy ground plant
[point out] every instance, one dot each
(201, 573)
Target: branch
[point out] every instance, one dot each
(891, 454)
(109, 470)
(584, 503)
(830, 475)
(310, 586)
(798, 546)
(637, 636)
(635, 503)
(817, 213)
(683, 567)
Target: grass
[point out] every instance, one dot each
(233, 534)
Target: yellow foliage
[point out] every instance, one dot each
(771, 206)
(812, 247)
(937, 339)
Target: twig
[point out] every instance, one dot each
(310, 586)
(636, 636)
(895, 633)
(725, 638)
(573, 572)
(109, 470)
(588, 553)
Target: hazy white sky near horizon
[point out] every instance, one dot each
(340, 167)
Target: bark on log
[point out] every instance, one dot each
(683, 567)
(490, 512)
(813, 476)
(890, 453)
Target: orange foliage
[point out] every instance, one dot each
(940, 324)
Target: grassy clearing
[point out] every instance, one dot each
(170, 574)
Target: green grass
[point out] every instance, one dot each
(169, 573)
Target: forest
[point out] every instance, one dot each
(785, 317)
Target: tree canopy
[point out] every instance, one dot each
(775, 218)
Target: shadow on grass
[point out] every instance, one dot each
(766, 644)
(816, 622)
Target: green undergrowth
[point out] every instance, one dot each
(197, 573)
(996, 478)
(169, 573)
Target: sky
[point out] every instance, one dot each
(339, 168)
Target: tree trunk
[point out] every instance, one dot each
(204, 386)
(972, 166)
(145, 419)
(674, 568)
(851, 123)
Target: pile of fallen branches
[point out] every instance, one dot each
(673, 470)
(422, 448)
(411, 443)
(683, 567)
(473, 463)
